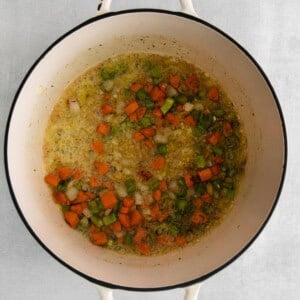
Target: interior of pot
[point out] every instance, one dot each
(167, 34)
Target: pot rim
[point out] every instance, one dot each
(15, 201)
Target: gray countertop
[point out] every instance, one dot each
(270, 31)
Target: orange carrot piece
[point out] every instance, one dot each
(144, 248)
(165, 239)
(138, 136)
(140, 112)
(159, 163)
(99, 238)
(106, 109)
(135, 217)
(148, 131)
(216, 169)
(163, 216)
(163, 185)
(94, 182)
(161, 102)
(136, 87)
(131, 107)
(120, 240)
(64, 173)
(192, 83)
(81, 197)
(154, 210)
(214, 138)
(109, 200)
(52, 179)
(189, 120)
(128, 202)
(157, 195)
(173, 119)
(180, 108)
(180, 240)
(148, 88)
(71, 218)
(213, 94)
(124, 210)
(61, 198)
(108, 184)
(188, 180)
(157, 94)
(77, 174)
(116, 227)
(149, 144)
(198, 203)
(133, 117)
(206, 197)
(102, 168)
(227, 127)
(157, 113)
(205, 174)
(103, 129)
(90, 195)
(219, 160)
(175, 81)
(124, 220)
(199, 217)
(79, 208)
(98, 147)
(106, 96)
(140, 235)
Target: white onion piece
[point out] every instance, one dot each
(126, 171)
(119, 234)
(86, 212)
(172, 195)
(121, 190)
(120, 107)
(74, 105)
(190, 193)
(171, 92)
(188, 107)
(161, 138)
(142, 187)
(138, 198)
(108, 85)
(173, 186)
(72, 193)
(108, 211)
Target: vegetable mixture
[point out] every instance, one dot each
(144, 153)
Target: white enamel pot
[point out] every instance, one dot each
(168, 33)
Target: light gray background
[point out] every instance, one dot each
(270, 30)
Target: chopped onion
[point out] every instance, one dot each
(126, 171)
(74, 105)
(121, 190)
(190, 193)
(173, 186)
(138, 198)
(172, 195)
(108, 211)
(120, 107)
(142, 187)
(161, 138)
(119, 234)
(86, 212)
(171, 92)
(108, 85)
(188, 107)
(72, 193)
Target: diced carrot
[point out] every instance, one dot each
(138, 136)
(213, 94)
(106, 109)
(175, 81)
(148, 132)
(124, 220)
(108, 184)
(198, 203)
(163, 87)
(61, 198)
(98, 147)
(128, 202)
(205, 174)
(159, 123)
(157, 195)
(120, 240)
(71, 218)
(206, 197)
(199, 217)
(52, 179)
(148, 88)
(106, 96)
(90, 195)
(140, 235)
(227, 127)
(157, 94)
(93, 229)
(102, 168)
(94, 182)
(180, 108)
(188, 180)
(159, 163)
(77, 174)
(161, 102)
(124, 210)
(163, 216)
(192, 83)
(135, 217)
(180, 240)
(109, 200)
(214, 138)
(81, 197)
(154, 210)
(206, 111)
(140, 112)
(99, 238)
(165, 239)
(64, 173)
(135, 87)
(216, 169)
(163, 185)
(131, 107)
(103, 129)
(189, 120)
(144, 248)
(149, 144)
(173, 119)
(133, 117)
(79, 208)
(219, 160)
(157, 113)
(116, 227)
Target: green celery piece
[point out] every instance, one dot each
(109, 219)
(167, 105)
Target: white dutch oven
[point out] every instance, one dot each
(169, 33)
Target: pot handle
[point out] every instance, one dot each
(104, 293)
(187, 7)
